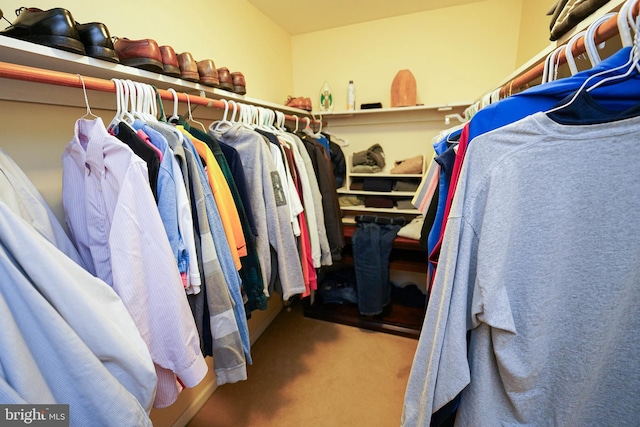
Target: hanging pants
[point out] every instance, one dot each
(372, 243)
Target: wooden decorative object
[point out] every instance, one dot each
(403, 90)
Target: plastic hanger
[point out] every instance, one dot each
(116, 119)
(224, 121)
(589, 39)
(88, 114)
(568, 54)
(633, 66)
(629, 66)
(174, 116)
(297, 123)
(624, 23)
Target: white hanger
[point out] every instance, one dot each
(174, 116)
(634, 63)
(624, 24)
(590, 41)
(571, 62)
(191, 119)
(630, 65)
(548, 72)
(224, 121)
(127, 117)
(297, 123)
(235, 110)
(116, 119)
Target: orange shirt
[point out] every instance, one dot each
(224, 200)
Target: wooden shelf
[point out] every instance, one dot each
(395, 319)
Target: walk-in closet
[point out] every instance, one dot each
(257, 213)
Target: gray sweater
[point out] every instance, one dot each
(270, 209)
(540, 261)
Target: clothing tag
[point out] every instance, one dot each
(278, 191)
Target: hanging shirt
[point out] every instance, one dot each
(66, 336)
(185, 215)
(272, 213)
(314, 198)
(223, 253)
(167, 197)
(539, 265)
(19, 194)
(114, 221)
(223, 198)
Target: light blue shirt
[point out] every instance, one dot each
(66, 336)
(224, 253)
(167, 200)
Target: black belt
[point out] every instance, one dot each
(382, 220)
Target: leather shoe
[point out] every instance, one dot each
(188, 67)
(143, 54)
(54, 28)
(97, 41)
(239, 85)
(170, 61)
(226, 81)
(300, 102)
(208, 73)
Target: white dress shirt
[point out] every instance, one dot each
(116, 226)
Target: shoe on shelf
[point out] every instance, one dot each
(302, 103)
(144, 54)
(188, 67)
(226, 81)
(54, 28)
(239, 85)
(170, 64)
(97, 41)
(208, 73)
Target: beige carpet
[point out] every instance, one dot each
(314, 373)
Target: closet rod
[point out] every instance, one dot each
(39, 75)
(604, 32)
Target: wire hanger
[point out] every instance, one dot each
(191, 119)
(86, 100)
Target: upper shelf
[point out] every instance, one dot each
(34, 55)
(419, 113)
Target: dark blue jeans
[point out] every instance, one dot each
(372, 245)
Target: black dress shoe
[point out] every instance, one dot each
(97, 41)
(54, 28)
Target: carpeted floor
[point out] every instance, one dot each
(314, 373)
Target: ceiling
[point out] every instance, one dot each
(298, 17)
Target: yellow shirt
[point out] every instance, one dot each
(224, 200)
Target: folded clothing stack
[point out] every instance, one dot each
(370, 160)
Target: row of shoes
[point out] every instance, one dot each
(301, 102)
(57, 28)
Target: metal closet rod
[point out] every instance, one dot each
(604, 32)
(38, 75)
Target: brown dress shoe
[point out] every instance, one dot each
(144, 54)
(300, 102)
(226, 81)
(188, 67)
(170, 61)
(239, 85)
(208, 73)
